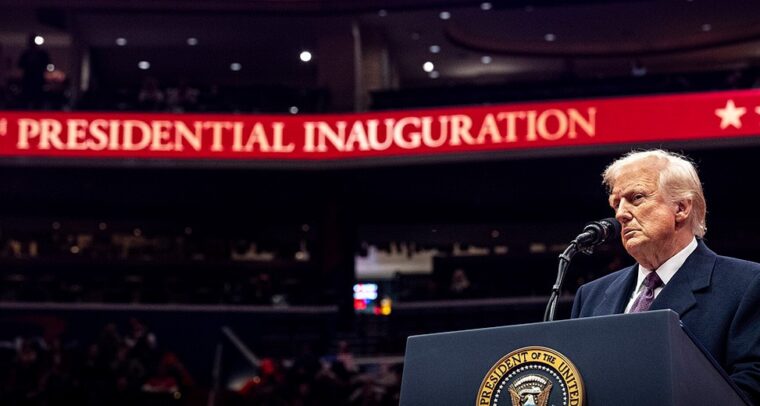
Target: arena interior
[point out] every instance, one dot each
(151, 278)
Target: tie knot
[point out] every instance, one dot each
(653, 281)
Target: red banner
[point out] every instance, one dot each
(510, 127)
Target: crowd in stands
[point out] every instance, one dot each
(110, 369)
(60, 264)
(39, 87)
(167, 287)
(334, 379)
(66, 263)
(132, 367)
(151, 95)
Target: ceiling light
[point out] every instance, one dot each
(428, 66)
(305, 56)
(143, 65)
(550, 37)
(706, 27)
(192, 41)
(444, 15)
(50, 67)
(485, 59)
(434, 49)
(236, 66)
(434, 74)
(121, 41)
(485, 6)
(293, 109)
(382, 13)
(39, 40)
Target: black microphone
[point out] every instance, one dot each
(595, 233)
(598, 232)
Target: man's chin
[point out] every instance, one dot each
(633, 246)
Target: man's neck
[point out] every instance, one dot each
(665, 252)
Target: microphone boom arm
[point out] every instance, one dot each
(564, 262)
(595, 233)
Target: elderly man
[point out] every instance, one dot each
(657, 197)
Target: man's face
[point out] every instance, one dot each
(647, 218)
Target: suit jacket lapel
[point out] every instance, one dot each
(618, 293)
(694, 275)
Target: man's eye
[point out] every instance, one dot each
(637, 197)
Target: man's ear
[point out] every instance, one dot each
(683, 210)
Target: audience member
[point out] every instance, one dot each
(150, 97)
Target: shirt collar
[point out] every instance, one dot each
(669, 267)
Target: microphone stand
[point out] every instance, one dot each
(564, 262)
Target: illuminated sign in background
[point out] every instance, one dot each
(433, 132)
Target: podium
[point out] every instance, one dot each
(628, 359)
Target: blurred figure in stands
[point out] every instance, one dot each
(151, 97)
(142, 344)
(33, 62)
(266, 388)
(182, 98)
(57, 384)
(169, 383)
(460, 287)
(25, 374)
(125, 376)
(346, 357)
(261, 289)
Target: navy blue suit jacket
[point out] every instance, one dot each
(717, 298)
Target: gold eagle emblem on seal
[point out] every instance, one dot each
(532, 376)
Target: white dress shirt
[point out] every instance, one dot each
(665, 272)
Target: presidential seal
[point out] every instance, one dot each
(532, 376)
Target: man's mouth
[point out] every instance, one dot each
(628, 232)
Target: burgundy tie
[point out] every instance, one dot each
(646, 297)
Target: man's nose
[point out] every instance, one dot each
(622, 212)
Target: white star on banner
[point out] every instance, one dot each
(730, 115)
(3, 126)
